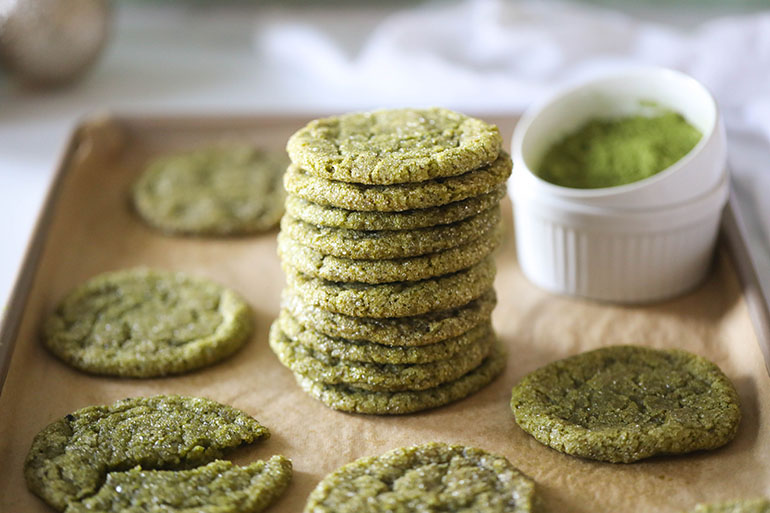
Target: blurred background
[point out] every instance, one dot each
(62, 60)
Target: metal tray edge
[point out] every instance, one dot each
(733, 232)
(10, 322)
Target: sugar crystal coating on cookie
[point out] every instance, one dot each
(366, 351)
(754, 505)
(392, 218)
(228, 190)
(429, 477)
(356, 400)
(386, 244)
(74, 458)
(228, 488)
(318, 264)
(394, 146)
(143, 322)
(397, 299)
(378, 377)
(625, 403)
(415, 330)
(324, 215)
(398, 197)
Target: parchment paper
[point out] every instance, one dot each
(94, 230)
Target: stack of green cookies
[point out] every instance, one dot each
(391, 219)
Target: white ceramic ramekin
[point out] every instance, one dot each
(638, 242)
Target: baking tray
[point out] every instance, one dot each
(87, 227)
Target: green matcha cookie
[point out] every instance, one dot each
(625, 403)
(758, 505)
(72, 457)
(433, 477)
(144, 323)
(419, 330)
(316, 214)
(400, 197)
(397, 299)
(376, 376)
(212, 191)
(228, 489)
(394, 146)
(315, 263)
(384, 244)
(358, 351)
(356, 400)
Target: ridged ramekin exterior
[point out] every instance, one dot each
(614, 265)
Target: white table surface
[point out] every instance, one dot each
(177, 57)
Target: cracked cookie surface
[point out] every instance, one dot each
(429, 477)
(71, 458)
(229, 489)
(394, 146)
(143, 323)
(212, 191)
(625, 403)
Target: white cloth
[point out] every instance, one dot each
(500, 56)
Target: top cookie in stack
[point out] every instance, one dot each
(390, 222)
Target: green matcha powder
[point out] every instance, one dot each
(610, 152)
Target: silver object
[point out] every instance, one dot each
(51, 42)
